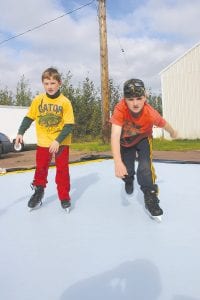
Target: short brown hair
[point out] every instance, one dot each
(51, 73)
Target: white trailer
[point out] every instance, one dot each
(10, 120)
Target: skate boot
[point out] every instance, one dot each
(129, 187)
(152, 204)
(66, 204)
(36, 198)
(128, 184)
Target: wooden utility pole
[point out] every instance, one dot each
(104, 72)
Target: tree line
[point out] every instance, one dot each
(85, 99)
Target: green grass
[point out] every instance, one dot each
(91, 146)
(176, 145)
(158, 144)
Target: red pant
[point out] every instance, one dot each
(62, 179)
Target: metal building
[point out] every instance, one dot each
(180, 83)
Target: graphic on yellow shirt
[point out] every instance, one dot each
(49, 120)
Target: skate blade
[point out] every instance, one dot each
(67, 210)
(36, 207)
(157, 218)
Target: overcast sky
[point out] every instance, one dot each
(143, 38)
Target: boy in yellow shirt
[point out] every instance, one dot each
(54, 119)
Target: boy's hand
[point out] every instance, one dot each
(120, 170)
(174, 134)
(54, 147)
(19, 139)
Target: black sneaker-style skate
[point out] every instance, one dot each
(129, 187)
(36, 198)
(152, 204)
(128, 184)
(66, 204)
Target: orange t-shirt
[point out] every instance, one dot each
(134, 129)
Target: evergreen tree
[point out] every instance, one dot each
(155, 101)
(23, 93)
(67, 88)
(159, 104)
(6, 97)
(86, 105)
(115, 94)
(88, 117)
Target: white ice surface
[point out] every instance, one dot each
(107, 248)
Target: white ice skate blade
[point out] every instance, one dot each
(157, 218)
(35, 208)
(67, 210)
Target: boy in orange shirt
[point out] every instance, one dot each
(132, 122)
(54, 119)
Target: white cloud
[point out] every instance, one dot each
(68, 44)
(22, 15)
(149, 36)
(179, 18)
(142, 58)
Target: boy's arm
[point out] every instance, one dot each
(170, 130)
(25, 124)
(67, 129)
(120, 168)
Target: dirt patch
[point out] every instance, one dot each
(26, 159)
(184, 156)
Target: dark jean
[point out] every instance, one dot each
(142, 151)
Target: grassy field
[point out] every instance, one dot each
(158, 144)
(91, 146)
(176, 145)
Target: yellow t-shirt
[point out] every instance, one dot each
(50, 116)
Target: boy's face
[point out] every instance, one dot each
(51, 85)
(135, 104)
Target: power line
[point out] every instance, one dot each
(122, 50)
(44, 24)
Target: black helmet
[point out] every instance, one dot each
(134, 88)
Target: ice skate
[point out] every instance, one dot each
(36, 199)
(129, 187)
(66, 205)
(128, 184)
(152, 205)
